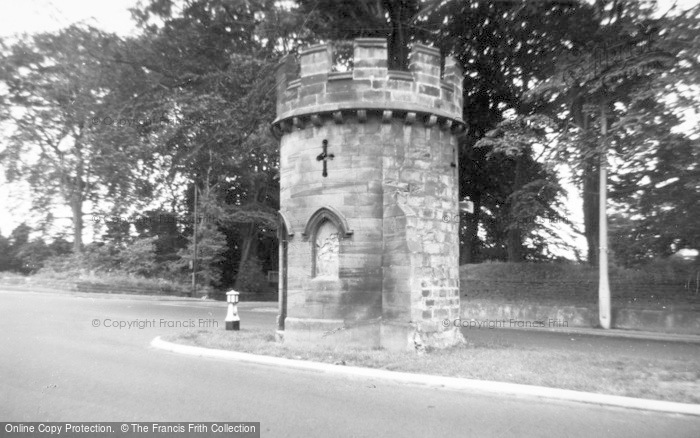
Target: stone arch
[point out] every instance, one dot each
(327, 213)
(325, 249)
(284, 223)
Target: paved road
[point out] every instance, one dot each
(55, 366)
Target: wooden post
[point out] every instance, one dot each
(603, 281)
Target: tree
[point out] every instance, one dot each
(534, 189)
(496, 52)
(139, 257)
(656, 206)
(60, 92)
(165, 227)
(207, 267)
(504, 47)
(655, 189)
(20, 236)
(394, 20)
(22, 254)
(31, 256)
(215, 64)
(599, 82)
(252, 279)
(608, 89)
(5, 254)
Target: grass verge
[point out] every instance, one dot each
(657, 379)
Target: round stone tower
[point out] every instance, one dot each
(369, 242)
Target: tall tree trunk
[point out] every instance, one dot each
(249, 239)
(399, 14)
(468, 253)
(514, 238)
(76, 198)
(514, 244)
(76, 205)
(248, 247)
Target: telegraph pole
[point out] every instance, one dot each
(603, 281)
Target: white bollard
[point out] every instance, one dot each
(233, 322)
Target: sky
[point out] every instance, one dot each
(33, 16)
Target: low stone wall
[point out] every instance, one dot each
(84, 286)
(267, 294)
(519, 315)
(654, 296)
(26, 283)
(669, 321)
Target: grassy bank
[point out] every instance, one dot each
(658, 378)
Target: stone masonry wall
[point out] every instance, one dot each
(420, 187)
(391, 180)
(352, 187)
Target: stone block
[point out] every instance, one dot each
(312, 89)
(429, 90)
(374, 95)
(348, 85)
(373, 63)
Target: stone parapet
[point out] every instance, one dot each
(307, 89)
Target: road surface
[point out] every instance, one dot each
(56, 366)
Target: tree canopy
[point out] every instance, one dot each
(134, 127)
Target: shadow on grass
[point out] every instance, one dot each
(496, 360)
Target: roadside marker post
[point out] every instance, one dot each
(233, 322)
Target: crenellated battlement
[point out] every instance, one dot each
(308, 90)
